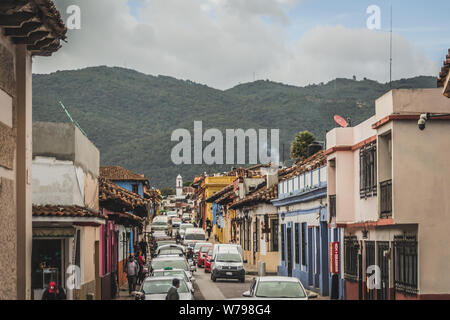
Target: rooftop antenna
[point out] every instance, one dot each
(71, 119)
(390, 56)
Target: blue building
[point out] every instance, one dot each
(133, 182)
(303, 218)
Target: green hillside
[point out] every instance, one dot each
(130, 116)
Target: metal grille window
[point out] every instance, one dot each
(304, 235)
(370, 261)
(386, 199)
(283, 256)
(368, 170)
(274, 235)
(297, 244)
(405, 264)
(247, 235)
(351, 248)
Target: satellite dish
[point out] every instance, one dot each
(340, 121)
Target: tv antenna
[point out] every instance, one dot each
(71, 119)
(390, 55)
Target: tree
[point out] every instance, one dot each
(299, 147)
(187, 184)
(167, 191)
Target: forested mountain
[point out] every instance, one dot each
(130, 116)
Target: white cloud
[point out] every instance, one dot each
(223, 42)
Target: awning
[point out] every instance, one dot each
(53, 232)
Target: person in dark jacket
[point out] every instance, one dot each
(172, 294)
(54, 292)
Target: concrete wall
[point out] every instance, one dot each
(64, 141)
(420, 160)
(57, 182)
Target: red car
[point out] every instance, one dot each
(201, 255)
(208, 260)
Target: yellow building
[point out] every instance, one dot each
(211, 185)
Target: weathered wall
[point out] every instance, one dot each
(64, 141)
(57, 182)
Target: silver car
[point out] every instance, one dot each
(156, 288)
(277, 288)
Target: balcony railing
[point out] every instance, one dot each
(386, 199)
(332, 204)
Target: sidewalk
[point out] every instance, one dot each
(123, 293)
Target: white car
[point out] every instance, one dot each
(184, 227)
(156, 288)
(277, 288)
(183, 274)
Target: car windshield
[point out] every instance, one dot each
(162, 287)
(174, 264)
(172, 250)
(229, 257)
(159, 223)
(194, 236)
(170, 273)
(204, 249)
(280, 289)
(198, 245)
(186, 226)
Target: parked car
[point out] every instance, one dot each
(197, 245)
(202, 253)
(208, 259)
(170, 272)
(186, 217)
(160, 223)
(184, 227)
(277, 288)
(194, 235)
(228, 264)
(156, 288)
(175, 262)
(170, 249)
(172, 214)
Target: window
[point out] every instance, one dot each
(304, 235)
(247, 236)
(302, 181)
(405, 264)
(135, 188)
(368, 170)
(332, 206)
(297, 244)
(283, 256)
(274, 235)
(351, 248)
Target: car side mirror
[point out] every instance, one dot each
(193, 268)
(246, 294)
(312, 296)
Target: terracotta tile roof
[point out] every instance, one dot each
(220, 193)
(153, 194)
(124, 217)
(120, 173)
(260, 195)
(36, 23)
(317, 160)
(112, 193)
(444, 74)
(65, 211)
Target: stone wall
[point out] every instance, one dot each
(81, 294)
(8, 272)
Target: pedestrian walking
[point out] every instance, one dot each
(144, 247)
(208, 228)
(131, 269)
(54, 292)
(141, 262)
(172, 294)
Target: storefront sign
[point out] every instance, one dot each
(334, 260)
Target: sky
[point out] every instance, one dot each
(222, 43)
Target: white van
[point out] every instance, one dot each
(225, 246)
(160, 223)
(228, 264)
(193, 235)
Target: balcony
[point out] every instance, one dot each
(386, 199)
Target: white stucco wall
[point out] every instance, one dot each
(57, 182)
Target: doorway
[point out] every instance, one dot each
(383, 262)
(289, 251)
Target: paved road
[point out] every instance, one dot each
(222, 289)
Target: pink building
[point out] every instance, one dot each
(391, 182)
